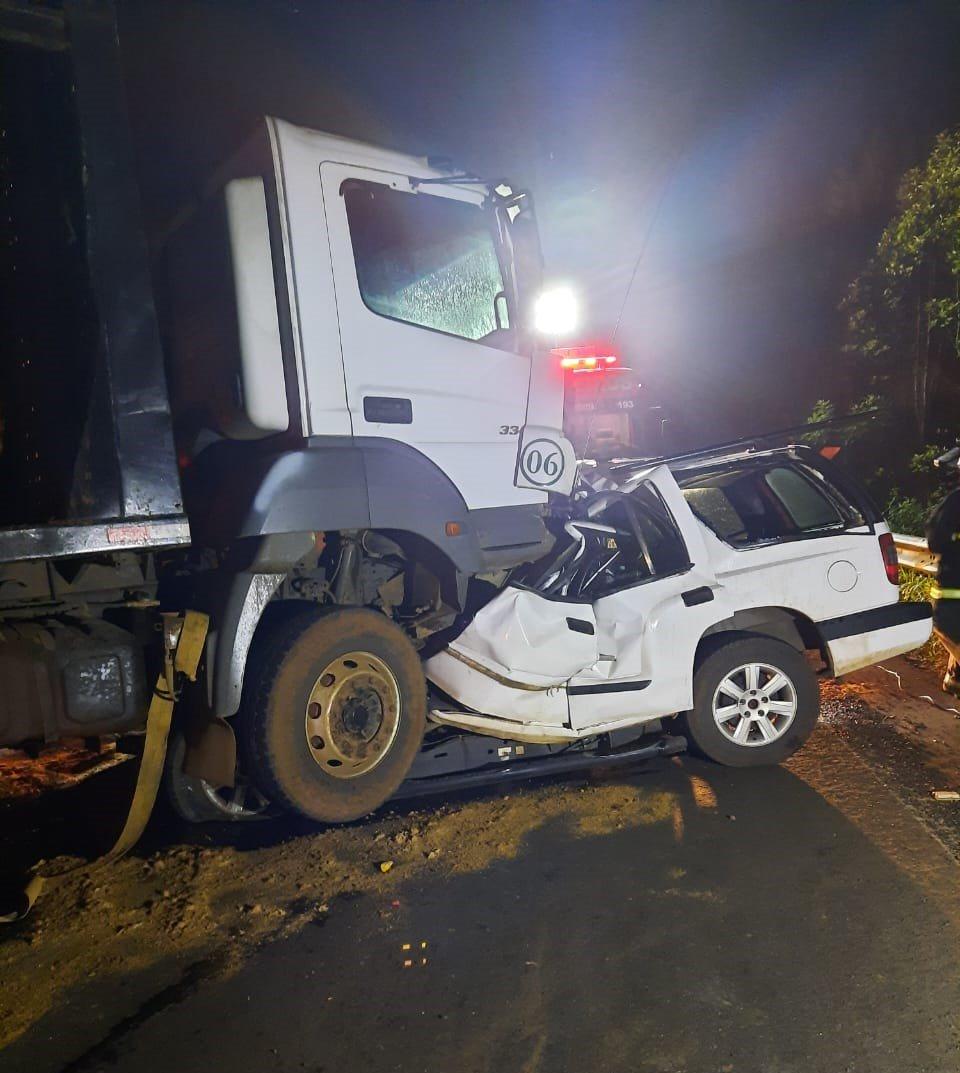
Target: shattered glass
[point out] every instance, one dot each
(626, 540)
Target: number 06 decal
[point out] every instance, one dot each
(542, 462)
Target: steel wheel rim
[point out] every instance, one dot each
(352, 715)
(754, 705)
(241, 802)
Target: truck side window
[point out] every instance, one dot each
(757, 504)
(427, 260)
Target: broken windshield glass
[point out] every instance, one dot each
(626, 539)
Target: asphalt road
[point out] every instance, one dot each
(780, 920)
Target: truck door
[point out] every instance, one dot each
(652, 605)
(427, 329)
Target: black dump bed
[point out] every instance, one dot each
(87, 459)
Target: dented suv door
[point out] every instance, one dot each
(606, 629)
(530, 637)
(514, 658)
(650, 620)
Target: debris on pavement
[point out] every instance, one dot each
(183, 904)
(54, 767)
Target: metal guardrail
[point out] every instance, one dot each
(913, 553)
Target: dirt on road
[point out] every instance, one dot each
(141, 921)
(196, 903)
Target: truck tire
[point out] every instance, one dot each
(333, 714)
(196, 801)
(755, 702)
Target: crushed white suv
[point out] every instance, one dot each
(694, 588)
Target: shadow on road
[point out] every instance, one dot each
(752, 928)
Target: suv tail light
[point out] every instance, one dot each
(889, 552)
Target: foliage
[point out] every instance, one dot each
(845, 431)
(866, 451)
(922, 461)
(823, 410)
(903, 311)
(915, 587)
(906, 514)
(903, 316)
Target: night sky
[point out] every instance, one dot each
(762, 141)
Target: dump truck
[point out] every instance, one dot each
(312, 414)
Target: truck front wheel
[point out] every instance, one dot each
(333, 713)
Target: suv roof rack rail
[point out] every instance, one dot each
(747, 444)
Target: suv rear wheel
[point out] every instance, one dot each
(755, 701)
(334, 713)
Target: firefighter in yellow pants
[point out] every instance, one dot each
(943, 538)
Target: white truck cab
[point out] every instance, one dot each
(378, 300)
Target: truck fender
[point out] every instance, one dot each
(248, 593)
(331, 483)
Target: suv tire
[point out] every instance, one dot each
(755, 701)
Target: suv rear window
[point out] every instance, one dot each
(758, 504)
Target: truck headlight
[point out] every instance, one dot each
(556, 312)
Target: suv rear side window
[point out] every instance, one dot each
(808, 509)
(427, 260)
(757, 505)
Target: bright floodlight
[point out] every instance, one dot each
(556, 312)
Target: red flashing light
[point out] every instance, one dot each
(590, 358)
(587, 363)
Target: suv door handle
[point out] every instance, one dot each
(581, 625)
(693, 597)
